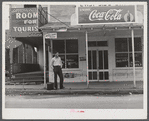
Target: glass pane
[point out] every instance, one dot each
(91, 43)
(100, 75)
(106, 74)
(20, 53)
(89, 59)
(102, 43)
(71, 46)
(63, 60)
(121, 45)
(137, 44)
(15, 55)
(90, 75)
(58, 46)
(72, 61)
(121, 60)
(94, 59)
(100, 59)
(94, 75)
(105, 59)
(138, 60)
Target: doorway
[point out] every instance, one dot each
(98, 65)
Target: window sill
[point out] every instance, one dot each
(71, 69)
(117, 68)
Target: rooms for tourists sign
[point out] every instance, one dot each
(106, 14)
(24, 21)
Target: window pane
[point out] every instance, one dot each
(106, 74)
(138, 60)
(71, 46)
(121, 60)
(102, 43)
(100, 59)
(100, 75)
(63, 60)
(94, 75)
(91, 43)
(58, 46)
(121, 45)
(72, 61)
(89, 59)
(105, 59)
(137, 44)
(94, 57)
(90, 75)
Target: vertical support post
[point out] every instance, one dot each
(52, 74)
(11, 62)
(23, 83)
(32, 55)
(86, 39)
(18, 53)
(24, 53)
(44, 61)
(133, 57)
(49, 61)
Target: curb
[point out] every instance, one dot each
(68, 92)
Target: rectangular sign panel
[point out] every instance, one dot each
(23, 21)
(51, 36)
(106, 14)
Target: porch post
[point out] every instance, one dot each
(44, 61)
(87, 59)
(11, 62)
(49, 61)
(133, 57)
(32, 55)
(24, 60)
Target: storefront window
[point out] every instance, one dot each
(58, 46)
(63, 60)
(123, 50)
(72, 61)
(137, 44)
(121, 60)
(121, 45)
(138, 60)
(68, 51)
(71, 46)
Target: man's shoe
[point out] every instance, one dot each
(62, 88)
(55, 88)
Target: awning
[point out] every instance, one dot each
(55, 26)
(33, 41)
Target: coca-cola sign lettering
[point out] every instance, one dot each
(106, 14)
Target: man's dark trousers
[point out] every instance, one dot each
(58, 71)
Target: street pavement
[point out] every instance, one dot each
(76, 101)
(101, 88)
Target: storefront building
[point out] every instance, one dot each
(94, 43)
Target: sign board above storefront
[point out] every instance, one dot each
(51, 36)
(23, 21)
(82, 58)
(106, 14)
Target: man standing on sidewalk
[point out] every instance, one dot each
(56, 65)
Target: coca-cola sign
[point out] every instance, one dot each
(106, 14)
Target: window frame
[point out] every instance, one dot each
(65, 53)
(96, 41)
(128, 52)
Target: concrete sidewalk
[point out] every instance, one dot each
(125, 87)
